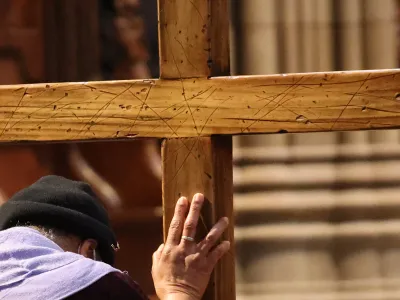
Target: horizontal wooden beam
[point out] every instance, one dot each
(333, 101)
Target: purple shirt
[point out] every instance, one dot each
(32, 267)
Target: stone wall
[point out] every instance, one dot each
(318, 215)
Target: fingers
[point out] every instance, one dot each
(218, 252)
(175, 228)
(189, 228)
(213, 236)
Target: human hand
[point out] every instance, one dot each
(182, 268)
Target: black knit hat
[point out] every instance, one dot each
(68, 205)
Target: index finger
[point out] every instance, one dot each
(176, 226)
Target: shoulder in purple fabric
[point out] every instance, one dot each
(33, 267)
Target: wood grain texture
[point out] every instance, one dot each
(201, 107)
(194, 38)
(219, 63)
(184, 38)
(203, 165)
(194, 42)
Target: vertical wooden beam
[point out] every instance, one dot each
(194, 42)
(203, 165)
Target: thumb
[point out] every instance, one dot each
(157, 254)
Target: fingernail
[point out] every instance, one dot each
(182, 201)
(226, 220)
(199, 197)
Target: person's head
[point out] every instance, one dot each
(65, 211)
(67, 241)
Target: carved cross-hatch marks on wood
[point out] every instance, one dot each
(201, 107)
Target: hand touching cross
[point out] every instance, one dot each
(182, 267)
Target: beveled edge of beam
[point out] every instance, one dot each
(388, 72)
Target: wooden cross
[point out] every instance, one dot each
(196, 113)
